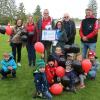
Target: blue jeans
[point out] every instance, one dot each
(92, 74)
(48, 95)
(86, 46)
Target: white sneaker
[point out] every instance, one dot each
(19, 64)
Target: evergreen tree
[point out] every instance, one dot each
(21, 11)
(93, 5)
(37, 14)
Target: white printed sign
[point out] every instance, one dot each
(49, 35)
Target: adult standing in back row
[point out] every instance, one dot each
(15, 41)
(32, 38)
(88, 32)
(70, 29)
(45, 23)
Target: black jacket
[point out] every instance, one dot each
(70, 29)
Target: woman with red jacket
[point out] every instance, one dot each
(32, 38)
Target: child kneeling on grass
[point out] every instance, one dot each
(8, 66)
(68, 80)
(40, 80)
(93, 71)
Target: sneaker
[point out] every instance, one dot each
(82, 86)
(67, 89)
(73, 89)
(19, 64)
(37, 95)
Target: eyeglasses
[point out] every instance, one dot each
(66, 16)
(45, 13)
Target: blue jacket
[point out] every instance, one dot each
(40, 81)
(10, 62)
(58, 34)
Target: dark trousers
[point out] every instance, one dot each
(71, 75)
(71, 41)
(4, 74)
(31, 53)
(16, 49)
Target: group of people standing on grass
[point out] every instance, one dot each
(54, 50)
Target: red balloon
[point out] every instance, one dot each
(86, 65)
(39, 47)
(8, 30)
(56, 89)
(60, 71)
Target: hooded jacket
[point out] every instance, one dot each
(50, 73)
(5, 64)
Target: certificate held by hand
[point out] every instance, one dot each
(48, 35)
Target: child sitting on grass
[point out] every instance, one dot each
(40, 80)
(8, 66)
(78, 69)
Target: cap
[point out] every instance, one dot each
(40, 63)
(51, 58)
(91, 53)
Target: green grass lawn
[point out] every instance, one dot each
(22, 87)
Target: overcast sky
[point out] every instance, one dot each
(76, 8)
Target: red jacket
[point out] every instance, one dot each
(50, 73)
(46, 22)
(41, 25)
(32, 28)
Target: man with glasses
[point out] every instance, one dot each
(70, 29)
(88, 32)
(45, 23)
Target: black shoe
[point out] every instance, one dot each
(30, 65)
(14, 76)
(4, 77)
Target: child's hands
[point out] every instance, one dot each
(85, 74)
(10, 68)
(52, 81)
(42, 55)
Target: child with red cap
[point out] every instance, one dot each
(93, 71)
